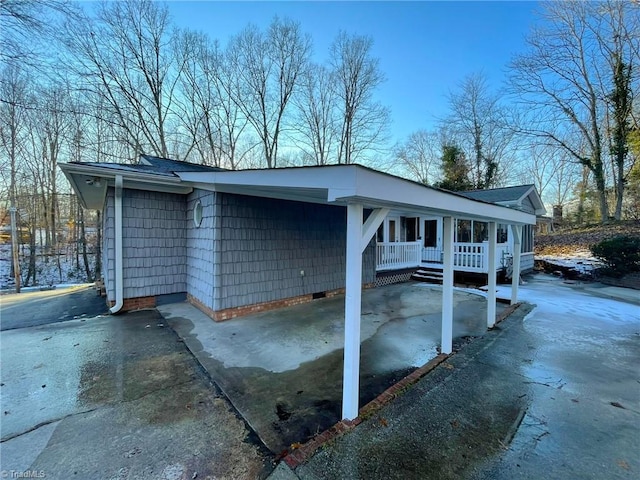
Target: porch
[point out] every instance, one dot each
(467, 257)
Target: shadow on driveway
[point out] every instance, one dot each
(29, 309)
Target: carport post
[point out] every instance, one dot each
(447, 286)
(491, 276)
(516, 230)
(352, 306)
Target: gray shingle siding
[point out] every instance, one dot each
(527, 206)
(153, 243)
(247, 250)
(526, 262)
(108, 247)
(200, 241)
(265, 243)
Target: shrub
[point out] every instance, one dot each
(621, 255)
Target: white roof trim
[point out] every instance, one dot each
(336, 184)
(343, 184)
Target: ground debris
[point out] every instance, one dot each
(623, 464)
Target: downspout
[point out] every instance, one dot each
(118, 260)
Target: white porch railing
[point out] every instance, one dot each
(397, 255)
(470, 257)
(467, 257)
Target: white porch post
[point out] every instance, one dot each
(491, 276)
(358, 237)
(447, 286)
(516, 230)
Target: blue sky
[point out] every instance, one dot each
(425, 48)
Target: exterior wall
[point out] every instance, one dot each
(108, 245)
(264, 244)
(527, 206)
(526, 262)
(154, 243)
(200, 251)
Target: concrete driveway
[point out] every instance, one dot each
(553, 392)
(283, 369)
(116, 397)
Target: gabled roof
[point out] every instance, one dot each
(509, 196)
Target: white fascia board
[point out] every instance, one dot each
(93, 198)
(110, 174)
(336, 178)
(346, 184)
(379, 187)
(537, 201)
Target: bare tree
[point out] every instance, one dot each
(418, 157)
(554, 174)
(126, 55)
(565, 78)
(266, 70)
(316, 104)
(206, 106)
(480, 125)
(13, 125)
(28, 27)
(358, 74)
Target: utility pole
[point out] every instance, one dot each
(14, 247)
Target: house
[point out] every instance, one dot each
(405, 242)
(234, 242)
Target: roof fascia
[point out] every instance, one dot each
(93, 198)
(345, 184)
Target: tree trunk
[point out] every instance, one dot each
(98, 270)
(598, 173)
(83, 242)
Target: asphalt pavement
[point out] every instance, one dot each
(42, 307)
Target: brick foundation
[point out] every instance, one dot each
(132, 304)
(229, 313)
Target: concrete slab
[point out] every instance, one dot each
(114, 398)
(283, 369)
(553, 392)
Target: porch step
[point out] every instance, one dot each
(428, 276)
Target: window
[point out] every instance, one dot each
(380, 233)
(430, 233)
(197, 213)
(463, 231)
(527, 239)
(413, 227)
(480, 232)
(501, 233)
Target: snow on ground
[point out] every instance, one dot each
(555, 298)
(582, 261)
(48, 272)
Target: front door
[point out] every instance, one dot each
(431, 248)
(393, 229)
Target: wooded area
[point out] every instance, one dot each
(106, 82)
